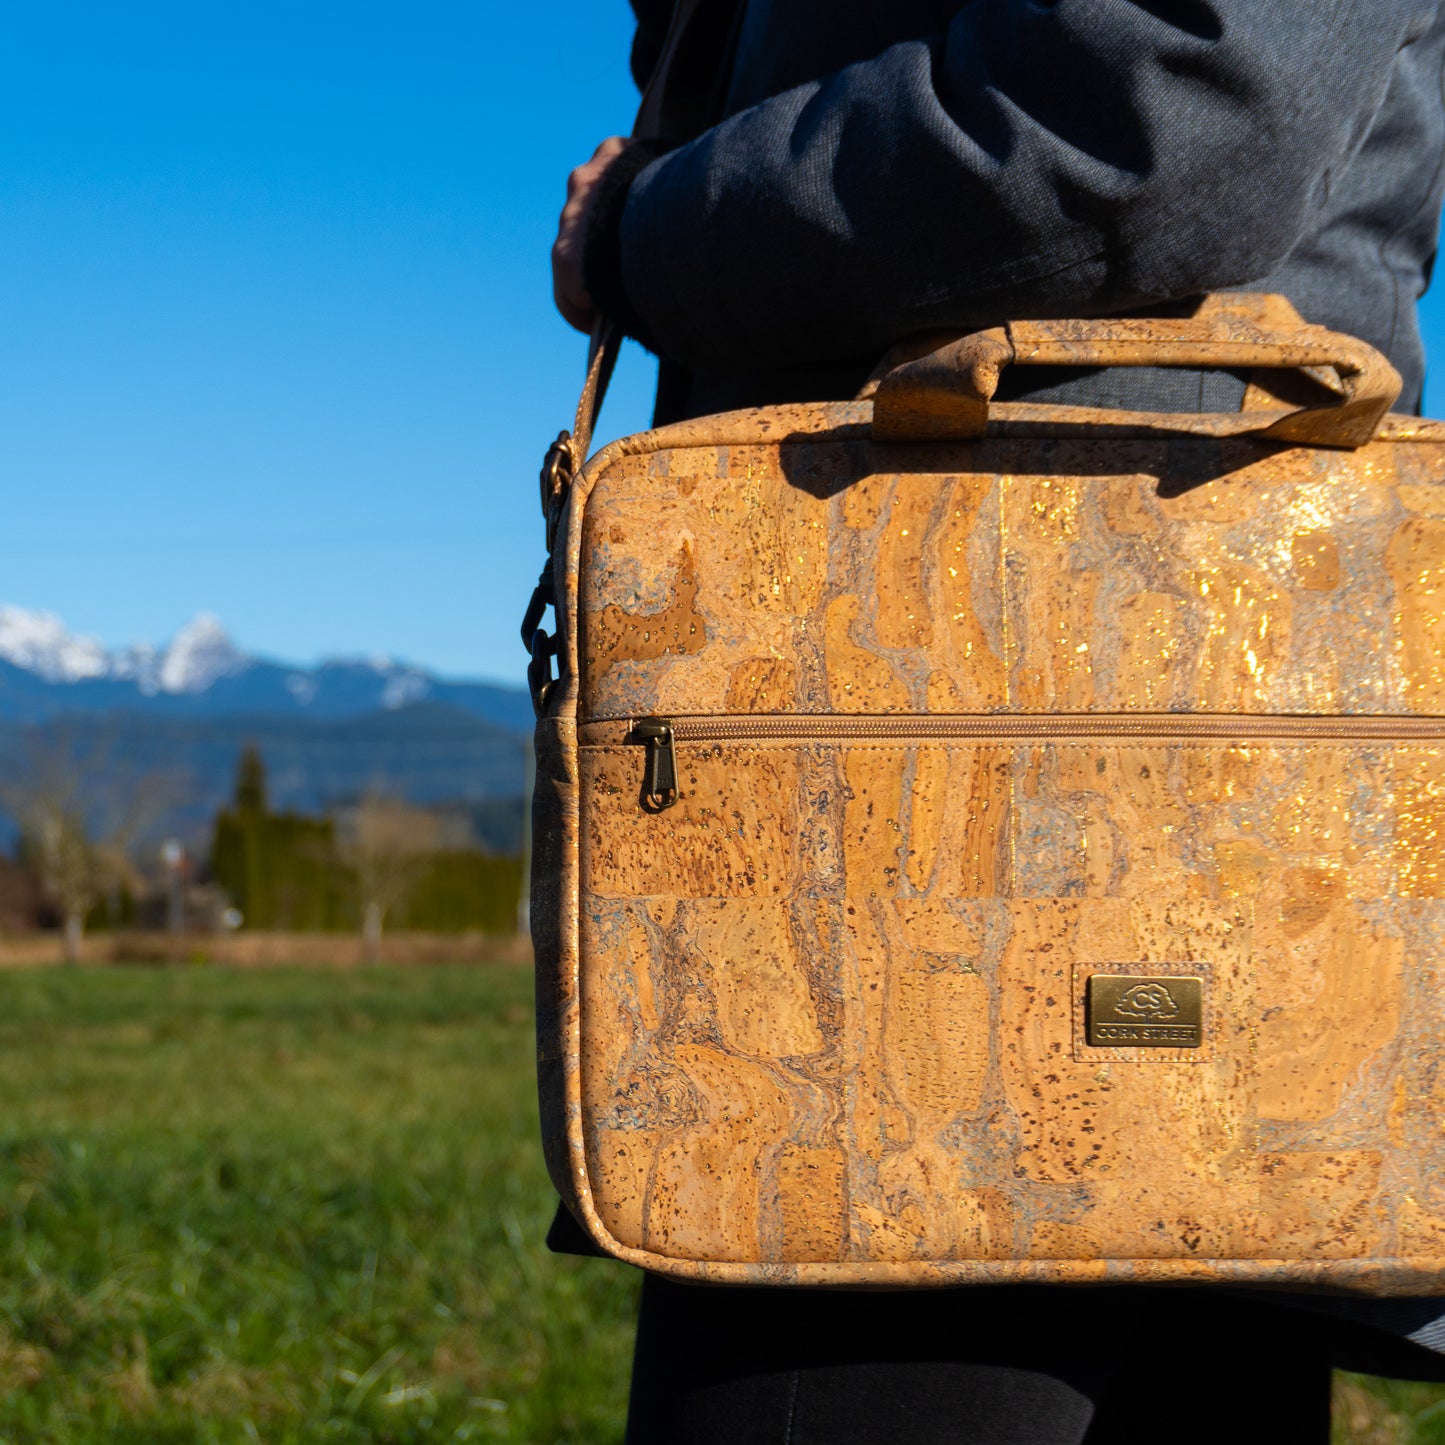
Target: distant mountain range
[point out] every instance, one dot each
(46, 669)
(180, 715)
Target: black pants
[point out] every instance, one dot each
(1015, 1366)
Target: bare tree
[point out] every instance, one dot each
(384, 843)
(76, 826)
(73, 871)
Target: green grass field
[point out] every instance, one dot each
(290, 1205)
(287, 1205)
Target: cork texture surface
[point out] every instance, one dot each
(822, 1020)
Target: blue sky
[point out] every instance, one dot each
(276, 335)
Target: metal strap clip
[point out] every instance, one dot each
(558, 470)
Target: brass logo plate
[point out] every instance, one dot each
(1128, 1011)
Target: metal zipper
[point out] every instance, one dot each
(661, 735)
(659, 777)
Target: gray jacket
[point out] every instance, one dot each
(881, 167)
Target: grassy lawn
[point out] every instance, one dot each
(291, 1205)
(1387, 1412)
(287, 1205)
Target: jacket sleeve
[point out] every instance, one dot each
(1042, 155)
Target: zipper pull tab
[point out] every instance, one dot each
(659, 772)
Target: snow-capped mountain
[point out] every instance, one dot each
(198, 655)
(45, 669)
(39, 642)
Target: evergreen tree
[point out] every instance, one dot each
(278, 868)
(250, 781)
(289, 871)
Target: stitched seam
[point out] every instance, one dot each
(1149, 745)
(792, 1409)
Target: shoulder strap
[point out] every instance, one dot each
(649, 112)
(569, 451)
(602, 352)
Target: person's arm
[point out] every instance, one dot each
(1040, 158)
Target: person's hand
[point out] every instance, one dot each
(568, 290)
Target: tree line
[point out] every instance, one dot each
(87, 856)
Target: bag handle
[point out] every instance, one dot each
(946, 394)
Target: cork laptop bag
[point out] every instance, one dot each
(980, 842)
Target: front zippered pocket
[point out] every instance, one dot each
(661, 735)
(857, 959)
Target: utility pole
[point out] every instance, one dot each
(173, 855)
